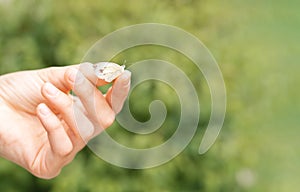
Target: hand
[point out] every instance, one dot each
(42, 126)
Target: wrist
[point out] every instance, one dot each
(3, 109)
(2, 82)
(2, 104)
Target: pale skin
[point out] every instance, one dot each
(42, 126)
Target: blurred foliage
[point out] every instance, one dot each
(256, 44)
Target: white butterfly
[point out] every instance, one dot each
(108, 71)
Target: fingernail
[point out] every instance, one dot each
(44, 110)
(125, 77)
(51, 90)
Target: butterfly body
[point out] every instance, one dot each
(108, 71)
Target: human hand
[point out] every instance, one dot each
(43, 126)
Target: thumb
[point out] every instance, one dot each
(118, 93)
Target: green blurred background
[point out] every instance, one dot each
(256, 44)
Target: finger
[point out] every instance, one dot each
(81, 127)
(87, 70)
(58, 138)
(99, 111)
(55, 75)
(118, 93)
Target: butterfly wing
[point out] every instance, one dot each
(108, 71)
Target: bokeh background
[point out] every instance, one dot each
(256, 44)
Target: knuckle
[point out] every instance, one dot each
(80, 80)
(84, 88)
(66, 149)
(67, 104)
(90, 90)
(55, 127)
